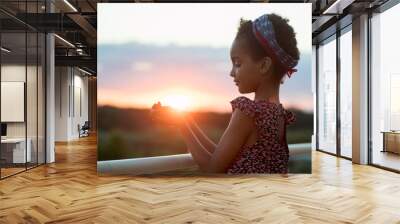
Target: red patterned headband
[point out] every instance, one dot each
(264, 32)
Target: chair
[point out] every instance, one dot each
(84, 130)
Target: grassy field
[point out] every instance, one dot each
(130, 133)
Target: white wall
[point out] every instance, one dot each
(11, 73)
(33, 126)
(62, 78)
(314, 92)
(71, 87)
(16, 73)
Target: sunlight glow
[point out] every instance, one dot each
(179, 102)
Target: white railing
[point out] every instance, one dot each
(158, 164)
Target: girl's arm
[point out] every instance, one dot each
(234, 137)
(199, 153)
(208, 144)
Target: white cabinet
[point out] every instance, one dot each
(18, 149)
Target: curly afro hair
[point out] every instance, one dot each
(285, 36)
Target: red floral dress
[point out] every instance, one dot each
(268, 154)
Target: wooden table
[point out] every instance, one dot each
(391, 141)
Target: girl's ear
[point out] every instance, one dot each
(266, 63)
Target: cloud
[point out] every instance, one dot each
(138, 70)
(192, 24)
(142, 66)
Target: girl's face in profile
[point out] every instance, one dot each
(245, 71)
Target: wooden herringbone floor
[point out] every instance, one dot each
(69, 191)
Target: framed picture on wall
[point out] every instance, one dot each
(178, 66)
(12, 101)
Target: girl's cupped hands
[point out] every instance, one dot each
(167, 115)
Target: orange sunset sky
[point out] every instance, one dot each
(185, 63)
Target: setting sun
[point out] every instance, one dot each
(178, 102)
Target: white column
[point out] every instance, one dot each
(360, 90)
(50, 92)
(50, 99)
